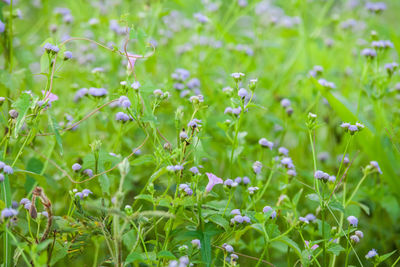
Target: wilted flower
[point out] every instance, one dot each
(359, 234)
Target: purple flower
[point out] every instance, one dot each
(194, 170)
(252, 189)
(196, 243)
(326, 84)
(320, 175)
(345, 125)
(376, 7)
(88, 172)
(375, 165)
(86, 192)
(371, 254)
(257, 167)
(212, 181)
(267, 209)
(135, 85)
(238, 218)
(283, 151)
(80, 93)
(311, 217)
(314, 247)
(360, 234)
(188, 191)
(353, 221)
(246, 219)
(79, 194)
(238, 180)
(183, 186)
(24, 201)
(368, 53)
(2, 164)
(303, 219)
(45, 214)
(1, 177)
(228, 110)
(355, 239)
(352, 129)
(228, 248)
(7, 169)
(291, 172)
(243, 93)
(200, 18)
(235, 212)
(183, 135)
(8, 212)
(76, 167)
(228, 182)
(67, 55)
(265, 143)
(2, 27)
(195, 123)
(97, 92)
(246, 180)
(287, 162)
(285, 103)
(121, 116)
(237, 111)
(237, 76)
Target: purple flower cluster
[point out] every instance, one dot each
(316, 71)
(286, 104)
(124, 102)
(375, 166)
(265, 143)
(326, 84)
(308, 218)
(174, 168)
(238, 218)
(49, 48)
(97, 92)
(122, 117)
(352, 129)
(5, 169)
(375, 7)
(186, 188)
(85, 193)
(195, 123)
(323, 176)
(271, 211)
(8, 212)
(371, 254)
(353, 221)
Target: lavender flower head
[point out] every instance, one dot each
(246, 180)
(257, 167)
(7, 169)
(194, 170)
(368, 53)
(76, 167)
(353, 221)
(355, 239)
(195, 123)
(235, 212)
(267, 209)
(371, 254)
(228, 248)
(265, 143)
(242, 93)
(8, 212)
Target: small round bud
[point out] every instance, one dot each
(13, 113)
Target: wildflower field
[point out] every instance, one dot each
(199, 133)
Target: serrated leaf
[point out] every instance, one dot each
(219, 220)
(385, 256)
(335, 248)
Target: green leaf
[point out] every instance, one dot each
(385, 256)
(296, 198)
(22, 106)
(129, 238)
(59, 252)
(146, 197)
(54, 127)
(336, 205)
(335, 248)
(221, 221)
(313, 197)
(286, 240)
(166, 255)
(134, 256)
